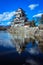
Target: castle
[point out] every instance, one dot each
(24, 31)
(21, 19)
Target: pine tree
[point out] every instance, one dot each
(33, 23)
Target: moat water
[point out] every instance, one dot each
(8, 52)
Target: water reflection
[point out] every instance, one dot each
(31, 54)
(32, 49)
(5, 39)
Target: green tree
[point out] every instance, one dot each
(32, 24)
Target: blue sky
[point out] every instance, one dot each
(33, 8)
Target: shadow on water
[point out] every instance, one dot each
(8, 53)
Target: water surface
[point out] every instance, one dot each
(8, 51)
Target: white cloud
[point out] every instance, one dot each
(8, 23)
(38, 15)
(32, 6)
(6, 16)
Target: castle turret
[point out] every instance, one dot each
(20, 18)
